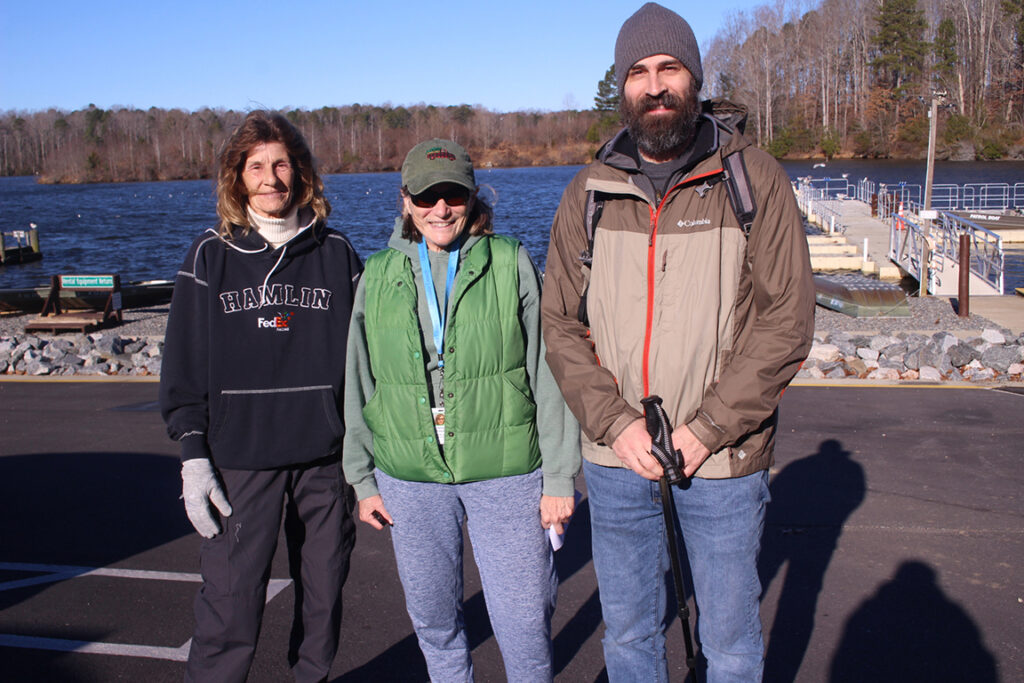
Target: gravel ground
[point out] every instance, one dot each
(929, 314)
(138, 322)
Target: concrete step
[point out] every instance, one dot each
(832, 250)
(826, 239)
(827, 263)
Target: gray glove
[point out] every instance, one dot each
(200, 488)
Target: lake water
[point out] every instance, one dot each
(142, 230)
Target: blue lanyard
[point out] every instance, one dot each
(437, 317)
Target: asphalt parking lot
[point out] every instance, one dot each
(892, 552)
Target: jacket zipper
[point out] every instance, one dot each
(651, 268)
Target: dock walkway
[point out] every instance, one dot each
(861, 242)
(857, 230)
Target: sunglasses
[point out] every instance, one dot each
(451, 197)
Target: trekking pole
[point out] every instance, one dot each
(670, 459)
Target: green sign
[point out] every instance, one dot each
(87, 281)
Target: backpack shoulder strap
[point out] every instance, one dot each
(741, 194)
(591, 216)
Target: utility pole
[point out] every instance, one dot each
(927, 215)
(933, 122)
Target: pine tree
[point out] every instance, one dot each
(901, 44)
(945, 49)
(607, 99)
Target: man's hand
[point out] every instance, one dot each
(368, 506)
(694, 452)
(633, 448)
(200, 489)
(555, 511)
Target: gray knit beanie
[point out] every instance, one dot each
(655, 30)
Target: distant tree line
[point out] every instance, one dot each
(847, 77)
(121, 144)
(857, 76)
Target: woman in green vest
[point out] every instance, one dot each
(452, 416)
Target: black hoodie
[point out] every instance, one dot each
(254, 356)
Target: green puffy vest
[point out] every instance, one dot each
(490, 415)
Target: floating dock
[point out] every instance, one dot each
(19, 246)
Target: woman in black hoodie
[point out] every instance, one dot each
(250, 387)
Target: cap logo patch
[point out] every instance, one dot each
(440, 153)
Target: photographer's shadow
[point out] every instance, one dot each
(910, 631)
(811, 501)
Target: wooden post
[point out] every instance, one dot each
(926, 257)
(964, 286)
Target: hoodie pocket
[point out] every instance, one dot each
(271, 427)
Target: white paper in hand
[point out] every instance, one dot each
(557, 539)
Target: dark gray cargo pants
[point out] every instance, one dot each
(235, 565)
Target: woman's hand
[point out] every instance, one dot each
(368, 506)
(555, 512)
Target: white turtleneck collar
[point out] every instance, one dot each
(276, 231)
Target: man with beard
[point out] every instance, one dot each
(677, 302)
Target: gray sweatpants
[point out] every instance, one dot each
(235, 565)
(513, 554)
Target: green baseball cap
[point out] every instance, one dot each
(437, 161)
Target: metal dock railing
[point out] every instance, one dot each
(932, 250)
(928, 249)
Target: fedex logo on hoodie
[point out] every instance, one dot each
(280, 322)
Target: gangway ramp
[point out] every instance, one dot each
(929, 250)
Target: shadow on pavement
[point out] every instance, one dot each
(83, 510)
(576, 554)
(403, 661)
(91, 509)
(910, 631)
(811, 500)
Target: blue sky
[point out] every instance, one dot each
(506, 56)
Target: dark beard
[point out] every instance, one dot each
(663, 137)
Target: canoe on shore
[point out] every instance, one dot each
(133, 295)
(859, 296)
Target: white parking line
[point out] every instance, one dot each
(52, 573)
(175, 654)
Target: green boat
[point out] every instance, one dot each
(860, 297)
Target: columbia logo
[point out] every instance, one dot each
(280, 322)
(690, 224)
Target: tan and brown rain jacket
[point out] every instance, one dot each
(680, 303)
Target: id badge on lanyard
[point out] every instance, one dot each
(438, 414)
(437, 320)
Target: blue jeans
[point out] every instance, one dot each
(721, 522)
